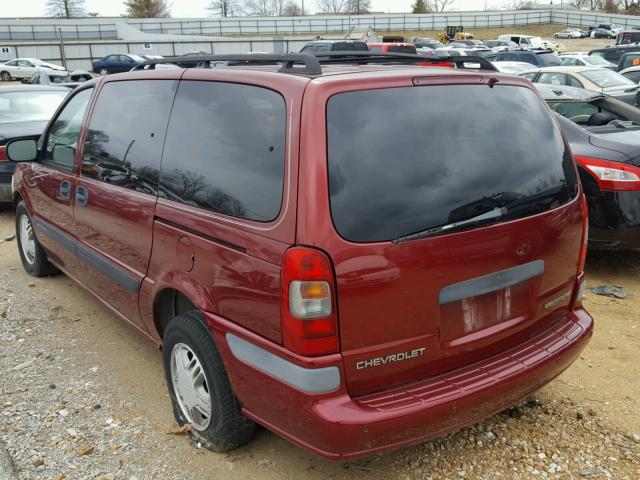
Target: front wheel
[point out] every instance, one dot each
(199, 388)
(5, 76)
(33, 257)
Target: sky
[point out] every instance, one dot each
(197, 8)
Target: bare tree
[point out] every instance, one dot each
(332, 6)
(359, 7)
(439, 5)
(292, 9)
(222, 8)
(65, 8)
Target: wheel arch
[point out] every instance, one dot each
(168, 303)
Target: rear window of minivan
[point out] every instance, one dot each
(389, 176)
(549, 59)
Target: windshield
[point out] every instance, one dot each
(59, 78)
(550, 59)
(29, 106)
(595, 60)
(389, 177)
(604, 78)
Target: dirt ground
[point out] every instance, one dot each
(82, 396)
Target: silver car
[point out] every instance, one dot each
(24, 68)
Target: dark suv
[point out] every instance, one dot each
(351, 284)
(539, 58)
(614, 53)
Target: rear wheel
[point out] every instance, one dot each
(5, 76)
(104, 71)
(199, 388)
(33, 257)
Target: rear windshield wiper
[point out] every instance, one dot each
(482, 219)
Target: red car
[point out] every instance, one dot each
(307, 253)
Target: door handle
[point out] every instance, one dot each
(82, 196)
(65, 189)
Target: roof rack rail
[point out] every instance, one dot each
(310, 64)
(460, 61)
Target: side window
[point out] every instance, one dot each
(573, 81)
(225, 149)
(529, 76)
(62, 139)
(307, 48)
(322, 47)
(112, 58)
(569, 61)
(613, 56)
(633, 76)
(126, 133)
(551, 78)
(12, 63)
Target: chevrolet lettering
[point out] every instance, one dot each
(394, 357)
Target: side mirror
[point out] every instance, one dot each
(22, 150)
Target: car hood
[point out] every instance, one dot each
(23, 129)
(53, 66)
(626, 142)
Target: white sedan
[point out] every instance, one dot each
(24, 68)
(568, 33)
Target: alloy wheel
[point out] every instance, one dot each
(190, 386)
(27, 240)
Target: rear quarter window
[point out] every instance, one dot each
(392, 178)
(225, 149)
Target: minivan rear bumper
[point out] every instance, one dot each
(337, 426)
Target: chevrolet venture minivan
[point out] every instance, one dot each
(306, 254)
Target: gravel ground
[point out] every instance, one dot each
(83, 397)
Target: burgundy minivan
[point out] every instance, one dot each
(355, 257)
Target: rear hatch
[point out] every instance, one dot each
(459, 225)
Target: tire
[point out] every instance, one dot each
(33, 257)
(225, 428)
(556, 36)
(636, 100)
(5, 76)
(104, 71)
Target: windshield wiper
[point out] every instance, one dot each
(482, 219)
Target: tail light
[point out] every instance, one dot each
(585, 235)
(309, 319)
(609, 175)
(3, 154)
